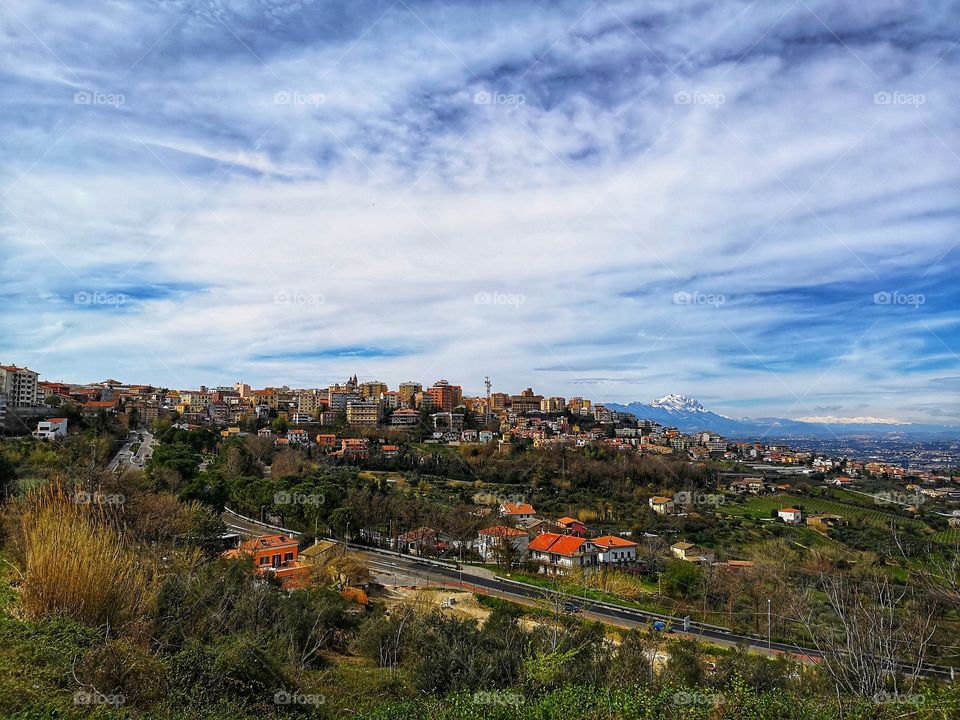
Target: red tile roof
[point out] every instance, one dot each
(502, 531)
(560, 544)
(611, 541)
(518, 509)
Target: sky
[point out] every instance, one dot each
(751, 203)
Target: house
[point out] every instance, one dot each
(353, 448)
(51, 429)
(326, 441)
(317, 553)
(572, 526)
(841, 481)
(753, 485)
(276, 555)
(517, 511)
(615, 550)
(692, 553)
(558, 554)
(492, 540)
(390, 450)
(95, 407)
(789, 515)
(420, 541)
(661, 504)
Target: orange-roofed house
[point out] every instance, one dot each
(559, 554)
(615, 550)
(572, 526)
(789, 515)
(517, 511)
(277, 555)
(492, 541)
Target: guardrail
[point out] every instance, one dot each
(268, 526)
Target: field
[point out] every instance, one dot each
(762, 507)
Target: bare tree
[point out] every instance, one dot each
(874, 634)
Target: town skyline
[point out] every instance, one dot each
(753, 206)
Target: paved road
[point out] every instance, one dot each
(127, 458)
(405, 568)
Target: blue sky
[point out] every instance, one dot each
(754, 203)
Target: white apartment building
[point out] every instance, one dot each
(20, 385)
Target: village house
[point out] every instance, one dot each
(517, 511)
(661, 504)
(51, 429)
(615, 550)
(276, 555)
(559, 554)
(692, 553)
(789, 515)
(492, 540)
(572, 526)
(823, 522)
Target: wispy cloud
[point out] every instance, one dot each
(751, 202)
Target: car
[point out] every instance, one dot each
(661, 626)
(571, 608)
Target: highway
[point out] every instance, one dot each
(399, 569)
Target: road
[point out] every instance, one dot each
(397, 569)
(127, 458)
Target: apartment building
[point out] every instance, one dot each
(21, 386)
(365, 413)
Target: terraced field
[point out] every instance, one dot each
(762, 507)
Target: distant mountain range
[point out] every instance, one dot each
(688, 415)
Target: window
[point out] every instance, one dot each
(264, 560)
(288, 557)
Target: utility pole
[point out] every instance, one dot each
(769, 651)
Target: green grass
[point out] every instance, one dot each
(950, 536)
(762, 507)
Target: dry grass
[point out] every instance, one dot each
(75, 562)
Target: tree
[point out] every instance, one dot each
(872, 635)
(682, 579)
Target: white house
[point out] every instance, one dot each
(51, 429)
(661, 505)
(517, 511)
(491, 539)
(615, 550)
(692, 553)
(789, 515)
(558, 554)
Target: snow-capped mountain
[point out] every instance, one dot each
(678, 403)
(689, 415)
